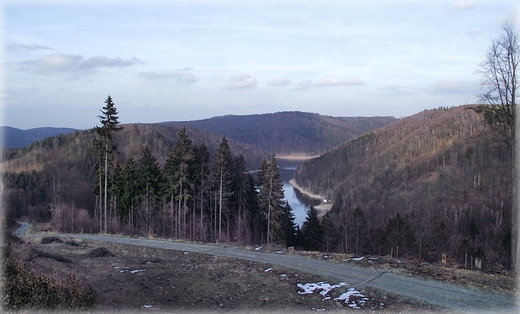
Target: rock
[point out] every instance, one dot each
(100, 252)
(47, 240)
(337, 304)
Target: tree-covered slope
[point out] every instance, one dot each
(290, 133)
(13, 137)
(440, 169)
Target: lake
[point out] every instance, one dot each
(298, 202)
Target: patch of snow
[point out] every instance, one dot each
(354, 303)
(358, 258)
(185, 253)
(373, 258)
(398, 261)
(279, 252)
(148, 306)
(326, 298)
(136, 271)
(268, 269)
(324, 286)
(258, 248)
(325, 256)
(284, 277)
(318, 310)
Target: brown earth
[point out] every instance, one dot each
(133, 279)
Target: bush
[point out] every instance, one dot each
(23, 289)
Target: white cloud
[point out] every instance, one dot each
(452, 87)
(303, 85)
(512, 16)
(462, 5)
(338, 82)
(473, 33)
(32, 47)
(63, 62)
(279, 82)
(55, 62)
(103, 61)
(240, 81)
(180, 76)
(399, 90)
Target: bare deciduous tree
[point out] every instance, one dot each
(498, 105)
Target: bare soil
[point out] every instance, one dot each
(133, 279)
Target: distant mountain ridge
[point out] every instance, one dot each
(289, 132)
(16, 138)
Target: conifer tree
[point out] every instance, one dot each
(223, 177)
(289, 227)
(177, 172)
(312, 231)
(109, 121)
(201, 176)
(271, 198)
(150, 175)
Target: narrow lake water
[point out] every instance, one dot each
(298, 202)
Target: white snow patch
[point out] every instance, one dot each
(185, 253)
(318, 310)
(268, 269)
(258, 248)
(148, 306)
(358, 258)
(354, 303)
(324, 286)
(136, 271)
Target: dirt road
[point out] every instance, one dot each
(449, 296)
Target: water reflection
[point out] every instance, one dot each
(298, 202)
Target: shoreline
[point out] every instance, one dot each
(322, 208)
(296, 157)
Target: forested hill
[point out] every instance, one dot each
(13, 137)
(76, 149)
(290, 133)
(439, 175)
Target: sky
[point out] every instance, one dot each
(189, 60)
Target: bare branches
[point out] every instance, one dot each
(500, 84)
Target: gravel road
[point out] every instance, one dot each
(446, 295)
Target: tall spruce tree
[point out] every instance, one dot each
(271, 198)
(312, 231)
(223, 179)
(150, 175)
(201, 176)
(109, 124)
(178, 173)
(289, 227)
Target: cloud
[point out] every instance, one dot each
(338, 82)
(55, 62)
(33, 47)
(103, 61)
(279, 82)
(180, 76)
(304, 85)
(462, 5)
(452, 87)
(473, 33)
(62, 62)
(238, 81)
(399, 90)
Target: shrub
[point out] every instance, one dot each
(24, 289)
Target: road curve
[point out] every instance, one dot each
(446, 295)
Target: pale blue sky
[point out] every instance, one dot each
(185, 60)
